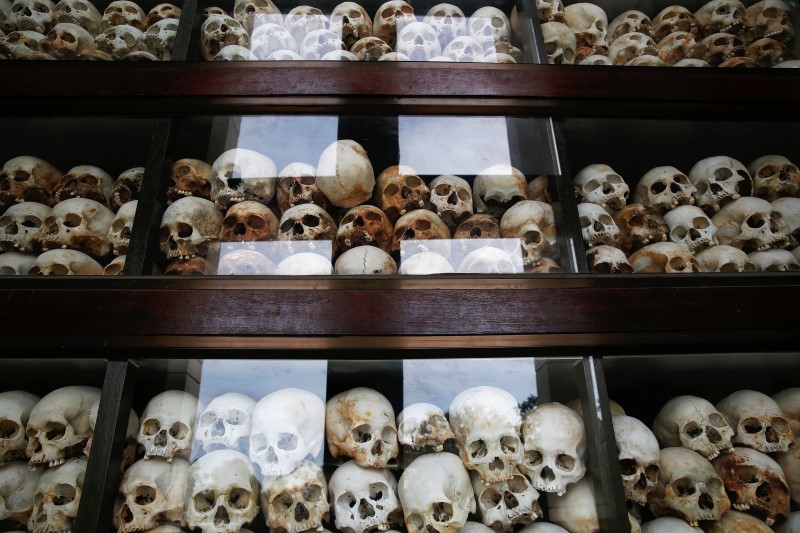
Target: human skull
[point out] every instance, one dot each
(425, 263)
(790, 464)
(638, 457)
(448, 21)
(559, 42)
(737, 521)
(589, 23)
(253, 13)
(20, 227)
(360, 423)
(78, 224)
(724, 258)
(689, 487)
(423, 425)
(15, 410)
(234, 52)
(630, 47)
(152, 491)
(370, 49)
(245, 263)
(575, 510)
(119, 233)
(122, 12)
(302, 20)
(363, 260)
(606, 259)
(478, 227)
(464, 49)
(249, 221)
(721, 16)
(127, 187)
(664, 188)
(769, 52)
(25, 44)
(678, 46)
(497, 188)
(296, 502)
(491, 27)
(161, 12)
(57, 497)
(269, 38)
(33, 15)
(115, 267)
(436, 494)
(318, 43)
(693, 423)
(451, 199)
(341, 55)
(159, 38)
(672, 19)
(15, 264)
(364, 225)
(350, 22)
(418, 225)
(774, 177)
(307, 222)
(750, 224)
(364, 499)
(631, 21)
(80, 12)
(196, 266)
(288, 426)
(597, 226)
(418, 41)
(663, 257)
(390, 18)
(188, 226)
(490, 260)
(533, 223)
(85, 181)
(723, 49)
(219, 31)
(221, 492)
(506, 504)
(304, 264)
(298, 185)
(226, 423)
(400, 190)
(600, 184)
(344, 174)
(120, 41)
(28, 179)
(757, 420)
(639, 225)
(716, 180)
(754, 482)
(688, 225)
(669, 524)
(769, 18)
(17, 487)
(241, 174)
(65, 263)
(789, 402)
(168, 425)
(549, 11)
(190, 177)
(774, 261)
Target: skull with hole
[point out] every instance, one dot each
(253, 13)
(33, 15)
(631, 46)
(190, 177)
(119, 233)
(122, 12)
(678, 46)
(219, 31)
(486, 422)
(364, 225)
(364, 499)
(85, 181)
(755, 483)
(370, 49)
(723, 49)
(400, 190)
(638, 457)
(221, 492)
(451, 199)
(436, 494)
(249, 221)
(363, 260)
(774, 261)
(723, 258)
(688, 225)
(288, 426)
(162, 12)
(559, 42)
(639, 225)
(318, 43)
(422, 425)
(344, 174)
(533, 223)
(490, 27)
(226, 422)
(695, 424)
(245, 263)
(448, 21)
(168, 425)
(15, 264)
(20, 227)
(127, 187)
(188, 226)
(606, 259)
(241, 174)
(600, 184)
(769, 18)
(688, 486)
(57, 497)
(673, 19)
(390, 18)
(789, 402)
(497, 188)
(17, 487)
(269, 38)
(504, 505)
(296, 502)
(597, 226)
(22, 45)
(416, 226)
(664, 188)
(768, 52)
(464, 49)
(722, 16)
(80, 12)
(716, 180)
(350, 22)
(631, 21)
(28, 179)
(152, 491)
(478, 226)
(663, 257)
(65, 263)
(307, 222)
(58, 426)
(15, 410)
(757, 420)
(302, 20)
(78, 224)
(750, 224)
(490, 260)
(589, 23)
(418, 41)
(773, 177)
(738, 521)
(159, 38)
(360, 423)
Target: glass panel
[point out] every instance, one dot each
(719, 33)
(470, 31)
(46, 423)
(724, 424)
(356, 445)
(686, 196)
(312, 195)
(68, 194)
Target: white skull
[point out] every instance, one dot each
(15, 264)
(630, 47)
(789, 209)
(789, 402)
(20, 227)
(423, 424)
(339, 55)
(253, 13)
(350, 22)
(750, 224)
(737, 521)
(219, 31)
(774, 177)
(159, 37)
(226, 423)
(319, 42)
(638, 457)
(757, 420)
(364, 499)
(663, 257)
(688, 225)
(269, 38)
(302, 20)
(559, 42)
(448, 21)
(168, 425)
(17, 487)
(589, 23)
(65, 263)
(490, 260)
(307, 222)
(234, 52)
(115, 267)
(755, 483)
(769, 18)
(669, 524)
(80, 12)
(693, 423)
(533, 223)
(490, 27)
(418, 42)
(122, 12)
(363, 260)
(464, 49)
(436, 494)
(497, 188)
(774, 261)
(721, 16)
(594, 60)
(425, 263)
(716, 180)
(689, 487)
(161, 12)
(723, 258)
(59, 425)
(600, 184)
(120, 40)
(506, 504)
(790, 464)
(304, 264)
(245, 263)
(390, 18)
(296, 502)
(68, 41)
(153, 491)
(221, 492)
(15, 410)
(33, 15)
(360, 423)
(629, 22)
(57, 497)
(23, 45)
(597, 226)
(606, 259)
(119, 233)
(364, 225)
(241, 174)
(288, 426)
(400, 190)
(344, 174)
(672, 19)
(26, 178)
(664, 188)
(486, 422)
(188, 226)
(85, 181)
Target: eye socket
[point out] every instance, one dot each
(312, 493)
(684, 487)
(204, 501)
(701, 222)
(179, 430)
(378, 491)
(144, 495)
(565, 462)
(477, 449)
(592, 184)
(627, 467)
(151, 427)
(63, 494)
(282, 502)
(287, 441)
(490, 498)
(533, 457)
(256, 222)
(239, 498)
(362, 434)
(692, 430)
(235, 417)
(752, 425)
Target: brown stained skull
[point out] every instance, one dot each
(419, 224)
(249, 221)
(400, 190)
(162, 12)
(773, 177)
(546, 265)
(297, 184)
(28, 179)
(370, 49)
(479, 226)
(769, 52)
(672, 19)
(722, 47)
(769, 18)
(190, 177)
(68, 41)
(127, 187)
(364, 225)
(639, 225)
(307, 222)
(85, 181)
(680, 45)
(663, 257)
(196, 266)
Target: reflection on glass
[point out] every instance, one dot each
(294, 258)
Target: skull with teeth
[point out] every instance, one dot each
(188, 226)
(351, 23)
(600, 184)
(153, 492)
(678, 46)
(119, 234)
(721, 16)
(15, 411)
(297, 185)
(769, 18)
(20, 227)
(219, 31)
(693, 423)
(307, 222)
(80, 12)
(253, 13)
(320, 42)
(159, 38)
(241, 174)
(503, 505)
(168, 425)
(122, 12)
(491, 27)
(589, 23)
(360, 423)
(190, 177)
(364, 225)
(758, 421)
(722, 48)
(17, 487)
(249, 221)
(448, 21)
(85, 181)
(769, 52)
(370, 49)
(664, 188)
(364, 499)
(628, 22)
(638, 457)
(774, 176)
(127, 187)
(750, 224)
(33, 15)
(631, 46)
(639, 225)
(28, 179)
(296, 502)
(451, 198)
(57, 497)
(716, 180)
(418, 42)
(673, 19)
(400, 190)
(597, 226)
(688, 225)
(423, 424)
(79, 224)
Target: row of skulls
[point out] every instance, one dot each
(241, 183)
(720, 33)
(695, 222)
(258, 31)
(75, 29)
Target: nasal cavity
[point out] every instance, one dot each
(365, 509)
(221, 517)
(497, 464)
(377, 448)
(705, 501)
(301, 513)
(548, 475)
(511, 500)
